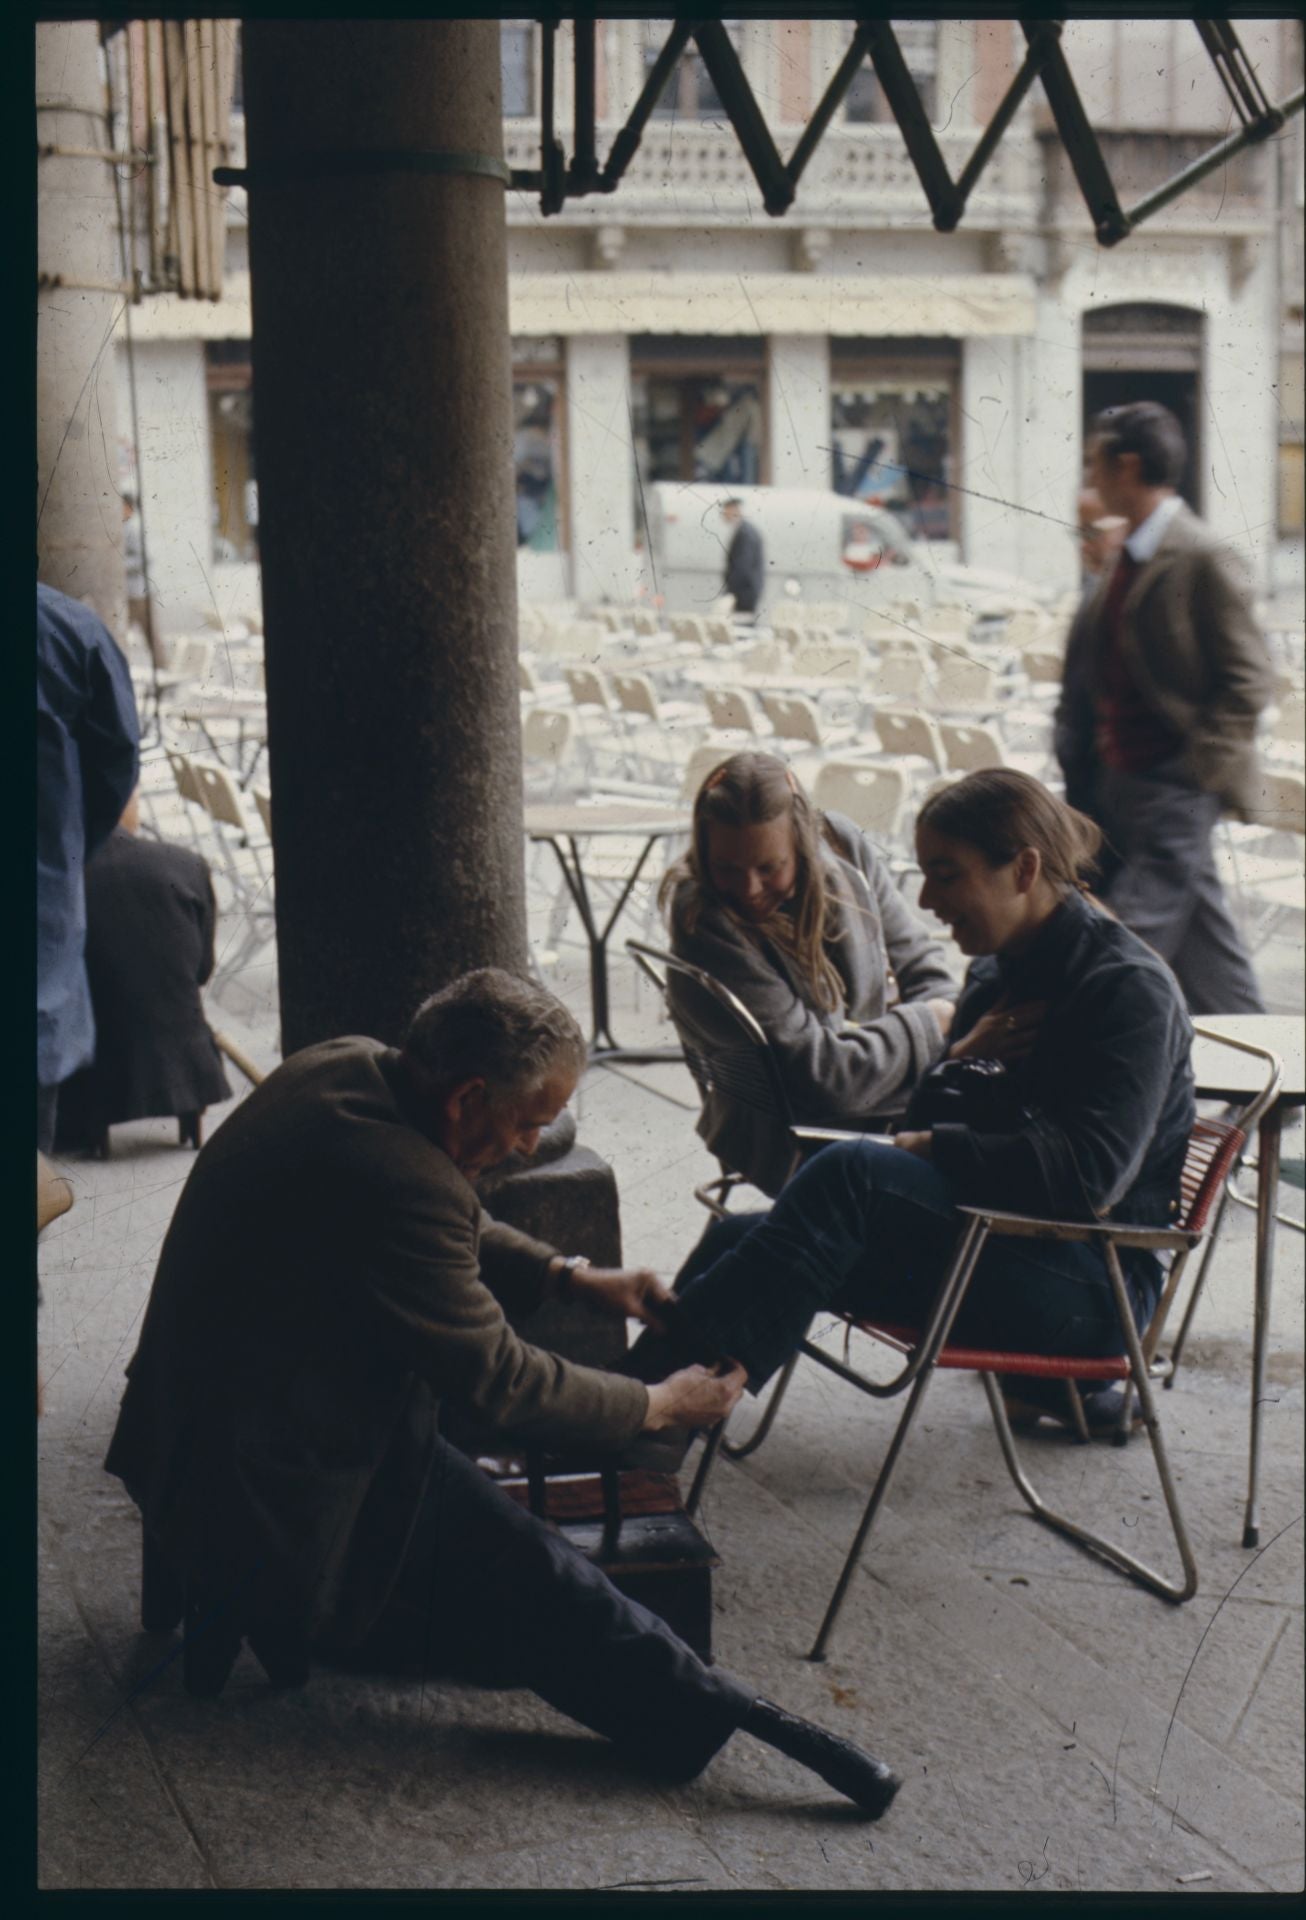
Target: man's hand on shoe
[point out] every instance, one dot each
(694, 1397)
(635, 1292)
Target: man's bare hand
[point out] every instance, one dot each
(634, 1292)
(695, 1397)
(1006, 1034)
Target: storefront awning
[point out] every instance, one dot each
(950, 306)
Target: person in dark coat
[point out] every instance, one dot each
(87, 759)
(745, 576)
(1101, 536)
(150, 918)
(329, 1277)
(1178, 673)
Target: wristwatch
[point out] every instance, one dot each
(572, 1264)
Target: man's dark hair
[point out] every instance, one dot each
(733, 501)
(1152, 432)
(493, 1025)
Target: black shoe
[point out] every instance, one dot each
(866, 1781)
(659, 1351)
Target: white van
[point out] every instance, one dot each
(817, 546)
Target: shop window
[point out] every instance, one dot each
(864, 102)
(695, 426)
(234, 502)
(517, 68)
(892, 446)
(689, 93)
(537, 457)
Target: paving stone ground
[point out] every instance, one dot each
(1058, 1729)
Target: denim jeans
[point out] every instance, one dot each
(872, 1227)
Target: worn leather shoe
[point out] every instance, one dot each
(859, 1776)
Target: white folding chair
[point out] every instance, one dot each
(907, 734)
(870, 793)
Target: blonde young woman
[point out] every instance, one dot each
(796, 912)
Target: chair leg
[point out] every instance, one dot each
(1094, 1543)
(163, 1599)
(764, 1425)
(878, 1492)
(1076, 1400)
(1176, 1352)
(280, 1652)
(188, 1129)
(211, 1644)
(705, 1465)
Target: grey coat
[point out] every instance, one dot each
(836, 1073)
(1190, 641)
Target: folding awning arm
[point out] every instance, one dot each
(556, 181)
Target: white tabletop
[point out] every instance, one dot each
(1222, 1073)
(544, 822)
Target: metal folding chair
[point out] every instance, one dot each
(1212, 1150)
(1213, 1147)
(741, 1065)
(1248, 1120)
(736, 1062)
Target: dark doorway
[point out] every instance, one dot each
(1178, 391)
(1148, 350)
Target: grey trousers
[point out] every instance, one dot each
(1167, 890)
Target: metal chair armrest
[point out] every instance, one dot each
(1027, 1226)
(837, 1133)
(1251, 1115)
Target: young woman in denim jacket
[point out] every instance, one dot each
(1092, 1032)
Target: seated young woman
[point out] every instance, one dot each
(1095, 1109)
(796, 912)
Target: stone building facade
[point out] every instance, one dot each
(673, 330)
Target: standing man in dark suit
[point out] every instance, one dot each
(1177, 672)
(745, 575)
(328, 1278)
(150, 919)
(86, 765)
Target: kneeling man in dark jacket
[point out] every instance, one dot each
(328, 1276)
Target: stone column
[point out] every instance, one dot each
(601, 467)
(382, 394)
(78, 509)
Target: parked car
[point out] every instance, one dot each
(818, 546)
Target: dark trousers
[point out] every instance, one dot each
(488, 1593)
(872, 1226)
(1166, 889)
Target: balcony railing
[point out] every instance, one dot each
(1140, 162)
(857, 174)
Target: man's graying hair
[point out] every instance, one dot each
(491, 1025)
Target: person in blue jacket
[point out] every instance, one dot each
(87, 759)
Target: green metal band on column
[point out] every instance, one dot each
(334, 165)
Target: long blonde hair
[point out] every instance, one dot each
(749, 790)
